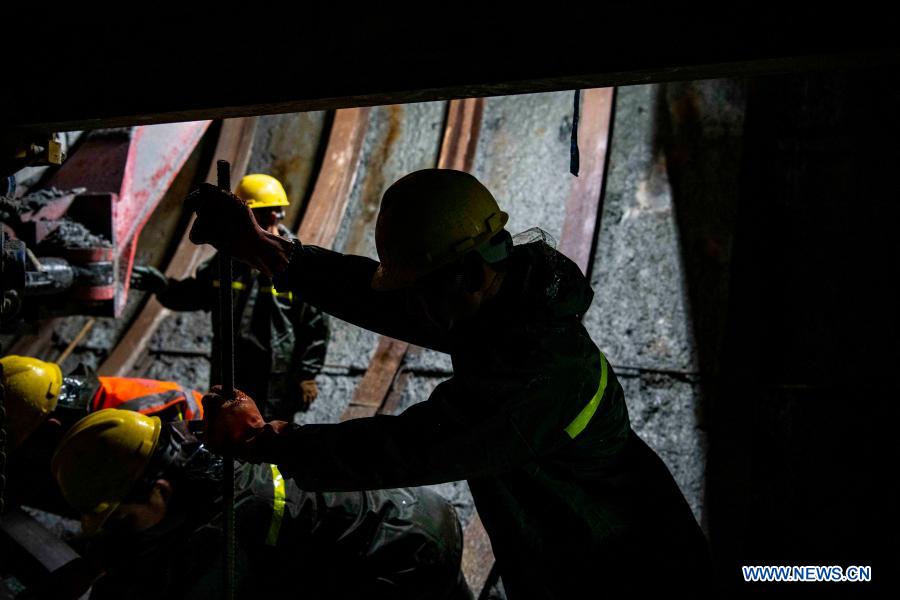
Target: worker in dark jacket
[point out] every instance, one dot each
(281, 340)
(574, 502)
(151, 494)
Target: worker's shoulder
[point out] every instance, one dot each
(543, 251)
(545, 285)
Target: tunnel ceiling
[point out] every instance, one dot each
(80, 73)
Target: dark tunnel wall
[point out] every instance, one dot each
(802, 405)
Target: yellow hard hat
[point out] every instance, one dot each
(261, 191)
(31, 389)
(101, 458)
(428, 219)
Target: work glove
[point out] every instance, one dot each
(309, 391)
(149, 279)
(236, 428)
(227, 223)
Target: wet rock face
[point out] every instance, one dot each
(638, 317)
(663, 247)
(189, 372)
(287, 147)
(523, 158)
(663, 412)
(335, 393)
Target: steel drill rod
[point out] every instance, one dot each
(226, 360)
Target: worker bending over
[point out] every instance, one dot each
(152, 494)
(533, 416)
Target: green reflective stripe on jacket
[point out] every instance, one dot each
(235, 285)
(584, 417)
(277, 506)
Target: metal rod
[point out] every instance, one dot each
(226, 317)
(85, 329)
(226, 360)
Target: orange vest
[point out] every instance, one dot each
(165, 399)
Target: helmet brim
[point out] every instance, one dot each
(255, 204)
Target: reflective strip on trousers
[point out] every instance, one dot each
(277, 506)
(584, 417)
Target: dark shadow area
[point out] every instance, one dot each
(797, 328)
(700, 132)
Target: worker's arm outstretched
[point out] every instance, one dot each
(192, 293)
(337, 283)
(460, 432)
(340, 284)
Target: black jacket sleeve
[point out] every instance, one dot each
(339, 284)
(192, 293)
(464, 430)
